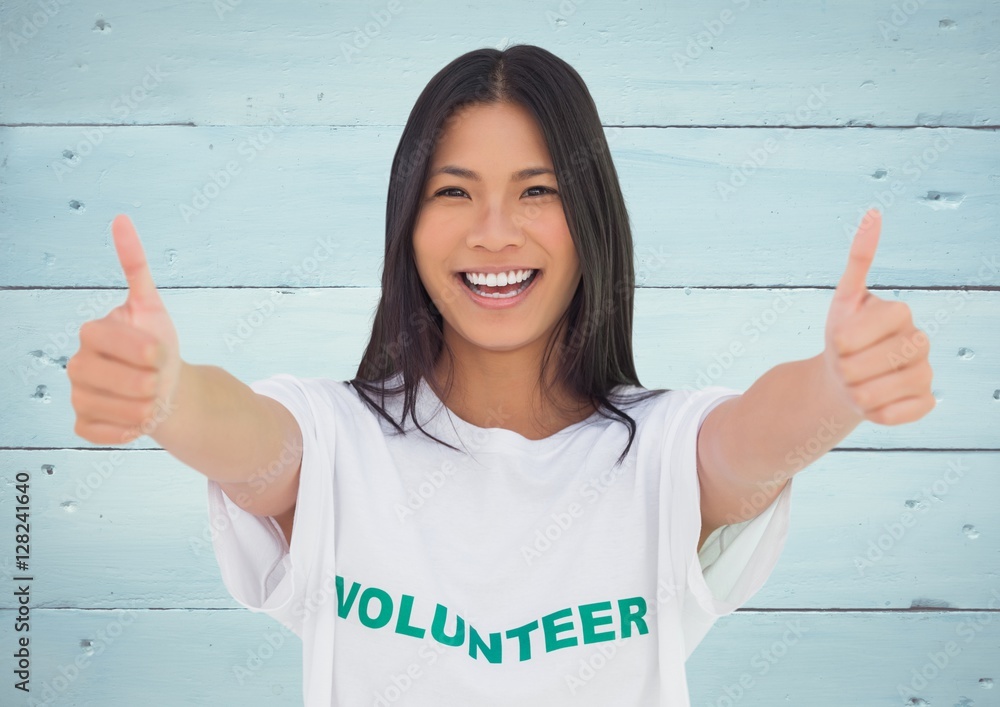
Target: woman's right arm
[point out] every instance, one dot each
(249, 443)
(128, 380)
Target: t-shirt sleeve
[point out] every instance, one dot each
(258, 567)
(737, 559)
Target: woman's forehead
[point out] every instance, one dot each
(492, 134)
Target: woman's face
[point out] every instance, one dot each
(491, 205)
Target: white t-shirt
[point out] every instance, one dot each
(522, 572)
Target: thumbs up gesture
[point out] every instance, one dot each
(875, 355)
(125, 375)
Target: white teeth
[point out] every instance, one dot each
(476, 280)
(498, 279)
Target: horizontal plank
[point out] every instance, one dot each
(306, 205)
(829, 660)
(682, 339)
(723, 62)
(755, 659)
(876, 530)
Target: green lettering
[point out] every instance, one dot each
(403, 621)
(437, 628)
(551, 629)
(342, 608)
(476, 643)
(524, 641)
(385, 607)
(629, 617)
(588, 621)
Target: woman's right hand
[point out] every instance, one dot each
(125, 375)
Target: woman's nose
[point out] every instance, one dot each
(496, 227)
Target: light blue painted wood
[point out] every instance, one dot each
(682, 339)
(189, 657)
(222, 76)
(759, 69)
(744, 207)
(98, 518)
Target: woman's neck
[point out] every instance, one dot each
(500, 389)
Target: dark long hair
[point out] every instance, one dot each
(592, 340)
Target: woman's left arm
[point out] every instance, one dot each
(874, 367)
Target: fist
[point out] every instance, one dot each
(875, 356)
(124, 377)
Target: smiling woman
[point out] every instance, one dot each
(472, 230)
(501, 347)
(516, 179)
(559, 501)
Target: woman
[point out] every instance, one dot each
(493, 511)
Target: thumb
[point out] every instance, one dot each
(141, 287)
(859, 260)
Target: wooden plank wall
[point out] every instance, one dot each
(750, 137)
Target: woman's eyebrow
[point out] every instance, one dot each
(518, 176)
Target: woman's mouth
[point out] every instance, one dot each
(496, 290)
(498, 296)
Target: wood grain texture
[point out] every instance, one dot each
(683, 338)
(100, 516)
(645, 63)
(251, 144)
(306, 205)
(198, 657)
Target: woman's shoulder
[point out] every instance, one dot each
(660, 409)
(323, 394)
(659, 406)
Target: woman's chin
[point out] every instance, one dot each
(484, 338)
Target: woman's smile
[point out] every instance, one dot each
(499, 296)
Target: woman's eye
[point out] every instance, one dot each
(461, 192)
(443, 191)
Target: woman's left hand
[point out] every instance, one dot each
(875, 356)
